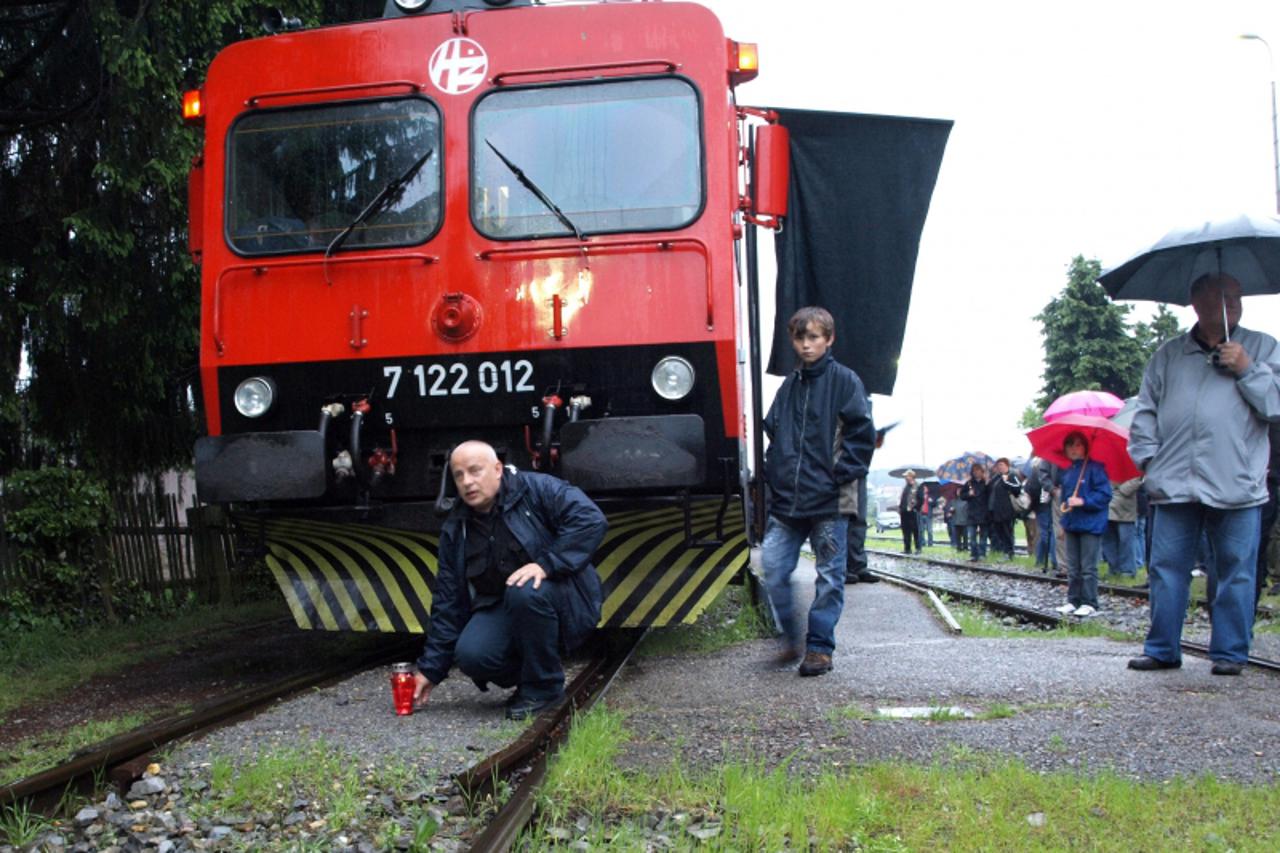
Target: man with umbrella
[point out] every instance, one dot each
(1199, 434)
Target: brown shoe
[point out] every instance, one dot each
(786, 656)
(815, 663)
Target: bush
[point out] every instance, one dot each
(55, 517)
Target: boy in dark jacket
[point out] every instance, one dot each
(821, 440)
(515, 581)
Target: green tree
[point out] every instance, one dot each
(1163, 327)
(95, 283)
(1087, 341)
(1032, 416)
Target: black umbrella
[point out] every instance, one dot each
(921, 471)
(1247, 248)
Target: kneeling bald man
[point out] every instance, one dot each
(515, 581)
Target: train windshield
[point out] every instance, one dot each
(592, 158)
(298, 178)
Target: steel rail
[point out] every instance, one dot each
(1038, 577)
(1043, 618)
(531, 752)
(1203, 650)
(132, 745)
(939, 606)
(1139, 594)
(1026, 613)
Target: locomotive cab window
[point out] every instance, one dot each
(597, 157)
(299, 178)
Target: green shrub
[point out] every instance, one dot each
(55, 517)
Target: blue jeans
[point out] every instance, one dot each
(1139, 542)
(1117, 548)
(515, 642)
(978, 541)
(1233, 543)
(781, 551)
(926, 527)
(1046, 552)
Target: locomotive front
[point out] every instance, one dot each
(514, 224)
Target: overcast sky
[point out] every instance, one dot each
(1089, 128)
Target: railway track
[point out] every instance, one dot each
(1034, 615)
(121, 758)
(1038, 577)
(520, 766)
(525, 762)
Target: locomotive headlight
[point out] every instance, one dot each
(412, 5)
(254, 396)
(672, 378)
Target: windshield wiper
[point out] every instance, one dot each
(537, 193)
(388, 195)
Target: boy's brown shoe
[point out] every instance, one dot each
(815, 663)
(786, 656)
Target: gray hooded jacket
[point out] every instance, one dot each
(1199, 433)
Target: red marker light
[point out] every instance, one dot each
(192, 107)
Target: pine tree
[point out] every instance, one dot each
(1163, 327)
(1087, 341)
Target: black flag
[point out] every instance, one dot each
(860, 191)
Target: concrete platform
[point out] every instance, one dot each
(1074, 703)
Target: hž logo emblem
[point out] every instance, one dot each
(458, 66)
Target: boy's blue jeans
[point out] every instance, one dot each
(782, 540)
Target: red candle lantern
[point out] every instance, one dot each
(402, 687)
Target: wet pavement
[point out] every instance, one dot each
(1053, 703)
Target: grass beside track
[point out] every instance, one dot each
(970, 802)
(45, 662)
(34, 754)
(729, 620)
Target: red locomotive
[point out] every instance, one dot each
(480, 219)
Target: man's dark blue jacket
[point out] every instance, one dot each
(558, 526)
(821, 438)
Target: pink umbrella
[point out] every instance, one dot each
(1098, 403)
(1108, 444)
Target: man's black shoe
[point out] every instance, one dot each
(1147, 662)
(867, 577)
(526, 708)
(852, 577)
(1227, 667)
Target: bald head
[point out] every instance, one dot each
(477, 472)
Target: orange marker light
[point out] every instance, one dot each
(192, 106)
(744, 61)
